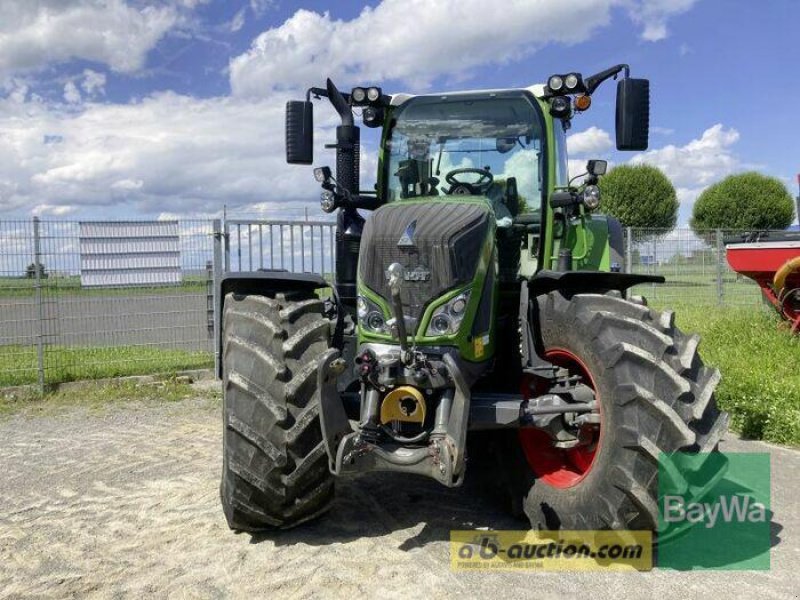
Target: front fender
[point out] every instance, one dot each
(261, 282)
(576, 282)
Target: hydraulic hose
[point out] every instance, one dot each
(790, 266)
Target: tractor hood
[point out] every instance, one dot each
(439, 242)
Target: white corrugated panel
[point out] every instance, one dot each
(117, 254)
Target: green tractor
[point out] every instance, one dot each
(483, 300)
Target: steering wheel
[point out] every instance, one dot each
(475, 188)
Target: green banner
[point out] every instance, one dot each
(714, 511)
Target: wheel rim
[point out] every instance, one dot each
(560, 468)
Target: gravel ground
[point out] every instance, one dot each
(125, 504)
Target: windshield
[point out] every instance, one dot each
(497, 138)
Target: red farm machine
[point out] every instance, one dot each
(772, 259)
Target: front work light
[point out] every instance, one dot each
(359, 95)
(322, 174)
(571, 81)
(555, 83)
(327, 201)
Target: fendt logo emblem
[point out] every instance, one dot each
(418, 273)
(407, 240)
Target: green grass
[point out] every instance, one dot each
(22, 287)
(759, 360)
(100, 397)
(18, 364)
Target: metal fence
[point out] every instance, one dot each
(694, 265)
(53, 329)
(297, 246)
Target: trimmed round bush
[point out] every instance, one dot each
(639, 196)
(744, 202)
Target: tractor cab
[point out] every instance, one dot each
(489, 144)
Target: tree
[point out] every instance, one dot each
(639, 196)
(30, 271)
(744, 202)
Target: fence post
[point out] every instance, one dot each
(720, 268)
(217, 269)
(628, 250)
(226, 241)
(37, 267)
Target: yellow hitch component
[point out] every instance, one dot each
(405, 404)
(783, 273)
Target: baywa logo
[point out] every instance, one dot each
(714, 511)
(735, 509)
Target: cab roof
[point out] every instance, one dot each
(401, 98)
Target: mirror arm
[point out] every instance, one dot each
(595, 80)
(340, 104)
(316, 92)
(364, 202)
(564, 199)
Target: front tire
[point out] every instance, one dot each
(275, 471)
(655, 395)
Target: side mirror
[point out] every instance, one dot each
(299, 132)
(596, 167)
(633, 114)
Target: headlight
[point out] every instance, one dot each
(447, 318)
(375, 321)
(591, 197)
(373, 94)
(370, 316)
(440, 324)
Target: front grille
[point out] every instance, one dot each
(447, 243)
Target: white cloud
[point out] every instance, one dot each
(661, 130)
(166, 153)
(169, 153)
(94, 83)
(71, 93)
(696, 165)
(260, 7)
(417, 40)
(700, 162)
(653, 15)
(34, 34)
(593, 141)
(237, 22)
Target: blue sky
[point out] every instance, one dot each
(144, 109)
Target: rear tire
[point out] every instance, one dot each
(655, 395)
(275, 470)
